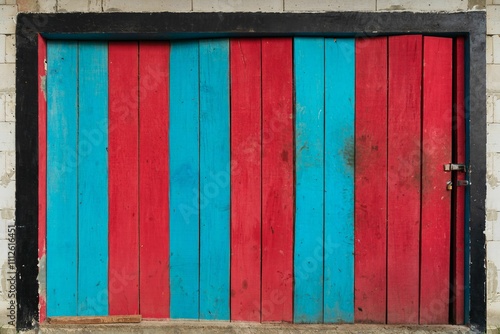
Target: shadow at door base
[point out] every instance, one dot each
(187, 327)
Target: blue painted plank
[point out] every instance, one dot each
(339, 181)
(214, 179)
(62, 161)
(184, 180)
(92, 178)
(309, 143)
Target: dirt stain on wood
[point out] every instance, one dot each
(349, 153)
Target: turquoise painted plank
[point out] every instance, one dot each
(92, 178)
(214, 179)
(339, 181)
(62, 161)
(184, 180)
(309, 143)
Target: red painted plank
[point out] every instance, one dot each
(245, 179)
(436, 200)
(42, 169)
(153, 176)
(404, 158)
(277, 180)
(459, 193)
(123, 183)
(371, 173)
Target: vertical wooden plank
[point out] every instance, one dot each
(42, 173)
(184, 187)
(309, 67)
(92, 178)
(436, 200)
(62, 162)
(245, 179)
(154, 292)
(214, 179)
(371, 206)
(459, 193)
(339, 181)
(277, 180)
(123, 179)
(404, 159)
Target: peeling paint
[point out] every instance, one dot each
(43, 86)
(3, 282)
(491, 215)
(42, 275)
(492, 180)
(6, 179)
(476, 4)
(396, 7)
(7, 214)
(492, 280)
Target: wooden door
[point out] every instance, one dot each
(256, 179)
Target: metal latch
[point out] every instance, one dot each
(455, 167)
(460, 183)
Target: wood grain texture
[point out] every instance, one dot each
(184, 181)
(245, 179)
(88, 320)
(154, 290)
(404, 159)
(458, 256)
(62, 163)
(123, 178)
(436, 200)
(309, 67)
(371, 206)
(42, 172)
(214, 179)
(92, 178)
(277, 179)
(338, 300)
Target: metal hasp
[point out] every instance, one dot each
(460, 183)
(455, 167)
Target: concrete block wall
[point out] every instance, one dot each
(8, 12)
(493, 161)
(9, 9)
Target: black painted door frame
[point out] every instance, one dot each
(135, 26)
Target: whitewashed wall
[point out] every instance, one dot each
(9, 9)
